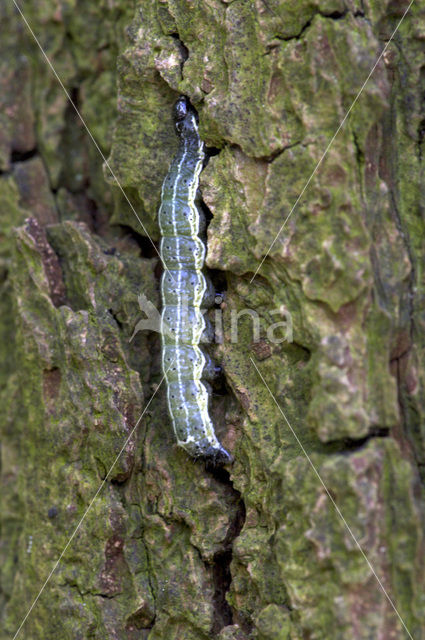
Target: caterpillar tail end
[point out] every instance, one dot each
(218, 456)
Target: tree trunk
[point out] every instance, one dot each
(316, 530)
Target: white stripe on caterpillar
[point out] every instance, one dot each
(183, 291)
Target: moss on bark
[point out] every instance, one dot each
(170, 549)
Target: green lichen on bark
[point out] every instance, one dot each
(170, 549)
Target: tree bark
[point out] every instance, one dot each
(317, 529)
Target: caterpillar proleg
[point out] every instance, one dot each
(185, 291)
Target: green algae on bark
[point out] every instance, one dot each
(167, 551)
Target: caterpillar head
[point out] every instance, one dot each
(185, 118)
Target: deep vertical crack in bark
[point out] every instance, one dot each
(221, 572)
(400, 361)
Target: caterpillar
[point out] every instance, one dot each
(185, 292)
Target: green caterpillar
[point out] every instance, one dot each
(185, 291)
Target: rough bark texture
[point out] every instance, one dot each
(170, 549)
